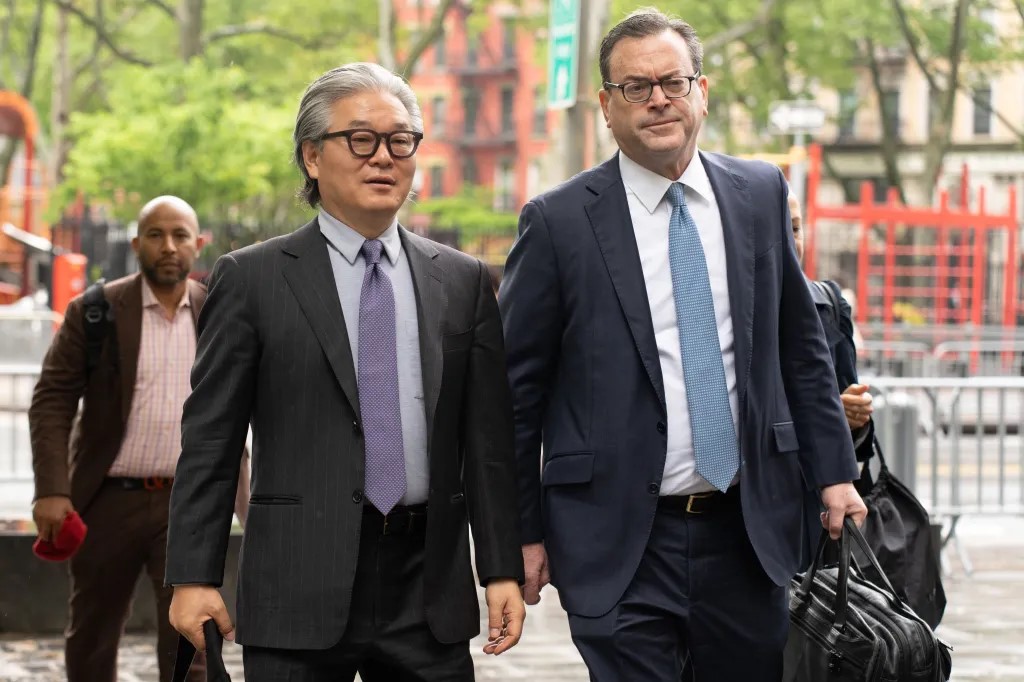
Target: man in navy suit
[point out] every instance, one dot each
(673, 391)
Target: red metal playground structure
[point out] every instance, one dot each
(939, 266)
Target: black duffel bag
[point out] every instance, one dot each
(899, 533)
(215, 670)
(844, 628)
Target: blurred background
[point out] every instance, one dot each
(899, 123)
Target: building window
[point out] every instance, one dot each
(470, 107)
(540, 111)
(469, 171)
(508, 101)
(436, 181)
(891, 111)
(439, 51)
(847, 113)
(438, 106)
(509, 40)
(504, 186)
(983, 110)
(471, 54)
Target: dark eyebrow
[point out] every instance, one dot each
(674, 73)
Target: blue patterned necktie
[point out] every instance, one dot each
(714, 435)
(378, 384)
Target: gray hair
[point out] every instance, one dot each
(314, 117)
(645, 22)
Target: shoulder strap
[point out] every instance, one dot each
(97, 315)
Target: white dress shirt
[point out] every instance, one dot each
(650, 212)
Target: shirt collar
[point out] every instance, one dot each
(348, 242)
(149, 299)
(650, 188)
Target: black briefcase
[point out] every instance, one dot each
(844, 628)
(215, 670)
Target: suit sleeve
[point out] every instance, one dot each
(826, 449)
(55, 403)
(213, 430)
(531, 313)
(490, 470)
(846, 372)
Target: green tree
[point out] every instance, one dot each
(470, 213)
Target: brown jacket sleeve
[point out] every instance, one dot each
(55, 403)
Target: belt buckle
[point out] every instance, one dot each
(691, 498)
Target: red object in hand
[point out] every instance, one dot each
(69, 539)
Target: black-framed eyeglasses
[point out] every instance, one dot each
(636, 92)
(364, 142)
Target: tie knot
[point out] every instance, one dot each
(372, 249)
(676, 197)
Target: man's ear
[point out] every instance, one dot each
(311, 158)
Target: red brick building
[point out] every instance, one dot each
(482, 91)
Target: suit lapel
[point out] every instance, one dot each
(613, 227)
(734, 206)
(309, 275)
(431, 303)
(196, 300)
(128, 321)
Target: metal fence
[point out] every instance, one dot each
(958, 442)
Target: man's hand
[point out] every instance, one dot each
(49, 513)
(535, 561)
(193, 605)
(841, 500)
(857, 405)
(505, 615)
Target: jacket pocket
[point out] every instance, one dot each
(568, 468)
(460, 341)
(785, 437)
(275, 499)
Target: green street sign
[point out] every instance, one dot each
(563, 53)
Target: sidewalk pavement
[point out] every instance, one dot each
(984, 623)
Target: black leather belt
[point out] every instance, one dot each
(145, 483)
(402, 520)
(702, 503)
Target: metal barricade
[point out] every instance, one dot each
(980, 358)
(894, 358)
(969, 457)
(16, 384)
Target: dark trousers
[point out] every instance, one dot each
(127, 532)
(387, 638)
(699, 592)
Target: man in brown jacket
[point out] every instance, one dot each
(128, 358)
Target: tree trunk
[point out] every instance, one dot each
(190, 28)
(386, 35)
(889, 146)
(61, 105)
(940, 132)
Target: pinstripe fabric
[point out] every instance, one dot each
(274, 350)
(167, 349)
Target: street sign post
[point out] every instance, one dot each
(797, 118)
(563, 53)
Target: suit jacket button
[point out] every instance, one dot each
(357, 496)
(661, 427)
(654, 488)
(355, 428)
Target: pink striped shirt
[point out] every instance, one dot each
(167, 349)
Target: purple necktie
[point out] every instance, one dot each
(378, 384)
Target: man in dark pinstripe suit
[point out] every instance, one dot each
(370, 364)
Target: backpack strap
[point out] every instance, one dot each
(97, 315)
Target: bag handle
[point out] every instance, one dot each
(840, 607)
(215, 670)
